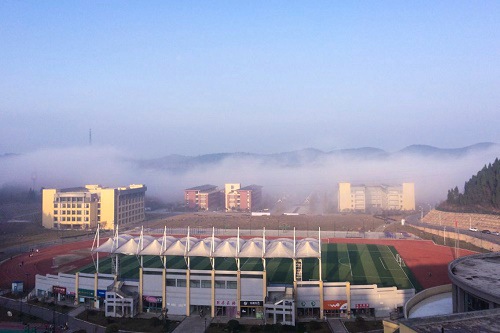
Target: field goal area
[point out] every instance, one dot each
(366, 264)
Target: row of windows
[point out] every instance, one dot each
(125, 208)
(63, 205)
(132, 213)
(71, 199)
(202, 284)
(70, 219)
(124, 201)
(71, 212)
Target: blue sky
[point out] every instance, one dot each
(153, 78)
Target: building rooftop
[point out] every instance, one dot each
(251, 188)
(478, 272)
(202, 188)
(475, 321)
(73, 189)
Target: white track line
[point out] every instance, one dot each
(349, 257)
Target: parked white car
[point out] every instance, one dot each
(473, 229)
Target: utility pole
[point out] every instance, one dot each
(444, 235)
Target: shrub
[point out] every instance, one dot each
(254, 329)
(155, 321)
(314, 325)
(361, 322)
(233, 325)
(112, 328)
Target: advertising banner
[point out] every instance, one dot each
(335, 305)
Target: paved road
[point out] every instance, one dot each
(415, 220)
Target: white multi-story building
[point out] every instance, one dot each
(84, 207)
(362, 198)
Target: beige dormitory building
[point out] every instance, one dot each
(362, 198)
(84, 207)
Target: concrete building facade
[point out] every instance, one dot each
(362, 198)
(204, 197)
(85, 207)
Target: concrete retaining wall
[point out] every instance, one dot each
(451, 235)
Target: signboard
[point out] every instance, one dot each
(85, 292)
(222, 302)
(308, 304)
(101, 293)
(362, 306)
(335, 305)
(59, 290)
(152, 299)
(251, 303)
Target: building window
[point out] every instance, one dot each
(206, 284)
(170, 282)
(55, 205)
(220, 284)
(232, 285)
(181, 283)
(194, 283)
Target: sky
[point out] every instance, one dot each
(153, 78)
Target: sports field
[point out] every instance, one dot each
(359, 264)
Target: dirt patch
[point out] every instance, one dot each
(337, 222)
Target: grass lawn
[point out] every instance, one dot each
(129, 324)
(362, 325)
(314, 326)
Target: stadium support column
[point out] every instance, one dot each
(96, 282)
(294, 261)
(295, 279)
(141, 287)
(238, 294)
(212, 295)
(321, 293)
(348, 294)
(77, 283)
(264, 285)
(188, 292)
(164, 288)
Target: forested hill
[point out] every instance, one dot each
(481, 192)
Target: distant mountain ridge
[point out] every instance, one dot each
(307, 156)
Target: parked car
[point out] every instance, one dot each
(473, 229)
(496, 233)
(486, 231)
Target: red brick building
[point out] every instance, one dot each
(204, 197)
(247, 198)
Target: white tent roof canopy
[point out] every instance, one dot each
(233, 247)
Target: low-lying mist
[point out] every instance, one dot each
(70, 167)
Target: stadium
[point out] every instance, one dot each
(276, 279)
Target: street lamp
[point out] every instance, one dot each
(205, 324)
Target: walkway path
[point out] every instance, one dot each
(337, 326)
(193, 324)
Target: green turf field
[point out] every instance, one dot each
(359, 264)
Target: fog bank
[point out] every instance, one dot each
(69, 167)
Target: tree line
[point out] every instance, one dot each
(481, 191)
